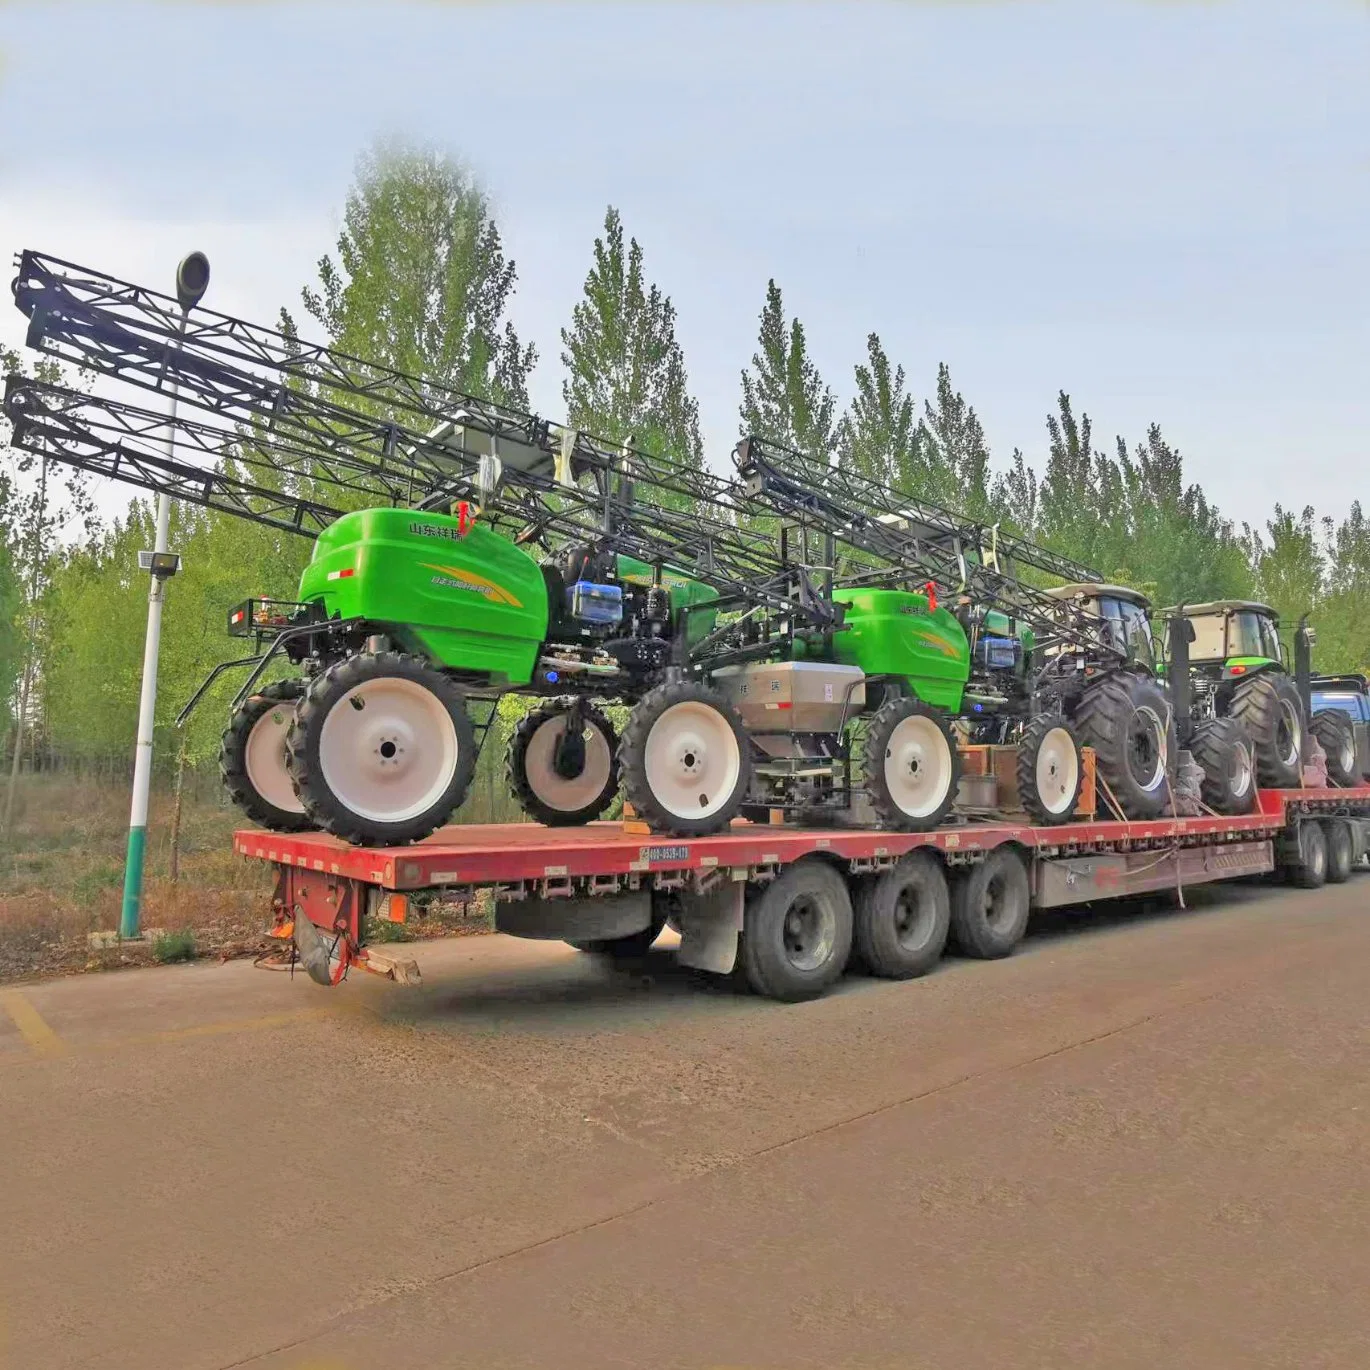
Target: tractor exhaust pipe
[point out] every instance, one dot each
(1304, 638)
(1180, 633)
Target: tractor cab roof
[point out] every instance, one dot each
(1093, 589)
(1222, 606)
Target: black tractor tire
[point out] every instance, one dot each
(1336, 735)
(902, 917)
(990, 904)
(337, 687)
(1340, 850)
(1126, 719)
(1049, 781)
(630, 948)
(1269, 706)
(797, 932)
(536, 730)
(639, 746)
(277, 700)
(881, 760)
(1303, 858)
(1222, 747)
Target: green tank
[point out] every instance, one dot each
(471, 602)
(895, 632)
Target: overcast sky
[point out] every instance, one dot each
(1160, 208)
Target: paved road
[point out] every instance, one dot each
(1142, 1142)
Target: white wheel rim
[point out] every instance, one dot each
(388, 749)
(1242, 770)
(264, 759)
(556, 791)
(917, 766)
(1058, 771)
(1151, 720)
(1295, 731)
(1348, 757)
(692, 760)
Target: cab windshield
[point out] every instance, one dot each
(1252, 634)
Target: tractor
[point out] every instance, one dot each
(1238, 674)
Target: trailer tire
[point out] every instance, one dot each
(797, 932)
(1336, 735)
(1126, 719)
(912, 765)
(420, 715)
(269, 800)
(711, 748)
(1049, 770)
(990, 904)
(901, 918)
(1305, 856)
(1223, 749)
(1269, 706)
(530, 767)
(1340, 850)
(629, 948)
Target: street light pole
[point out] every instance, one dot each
(192, 279)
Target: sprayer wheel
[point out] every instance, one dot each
(252, 758)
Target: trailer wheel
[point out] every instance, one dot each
(252, 759)
(912, 765)
(629, 948)
(1126, 719)
(1340, 850)
(1049, 770)
(381, 749)
(990, 904)
(797, 932)
(901, 918)
(1336, 735)
(1304, 856)
(1269, 706)
(684, 759)
(559, 781)
(1223, 749)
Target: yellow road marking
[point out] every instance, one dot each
(263, 1023)
(30, 1024)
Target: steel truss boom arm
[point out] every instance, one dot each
(247, 372)
(129, 444)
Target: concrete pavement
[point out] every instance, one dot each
(1142, 1141)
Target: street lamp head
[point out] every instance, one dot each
(192, 279)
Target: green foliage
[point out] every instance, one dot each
(174, 946)
(878, 436)
(626, 378)
(421, 282)
(954, 453)
(784, 398)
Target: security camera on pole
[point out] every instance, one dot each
(192, 280)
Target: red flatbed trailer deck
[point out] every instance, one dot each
(587, 883)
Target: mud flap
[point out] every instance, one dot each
(314, 952)
(709, 925)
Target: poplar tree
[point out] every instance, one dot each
(784, 398)
(421, 282)
(626, 380)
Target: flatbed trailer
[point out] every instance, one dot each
(787, 906)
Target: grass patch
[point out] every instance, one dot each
(174, 946)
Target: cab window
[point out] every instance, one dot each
(1210, 643)
(1126, 625)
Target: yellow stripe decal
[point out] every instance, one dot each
(497, 592)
